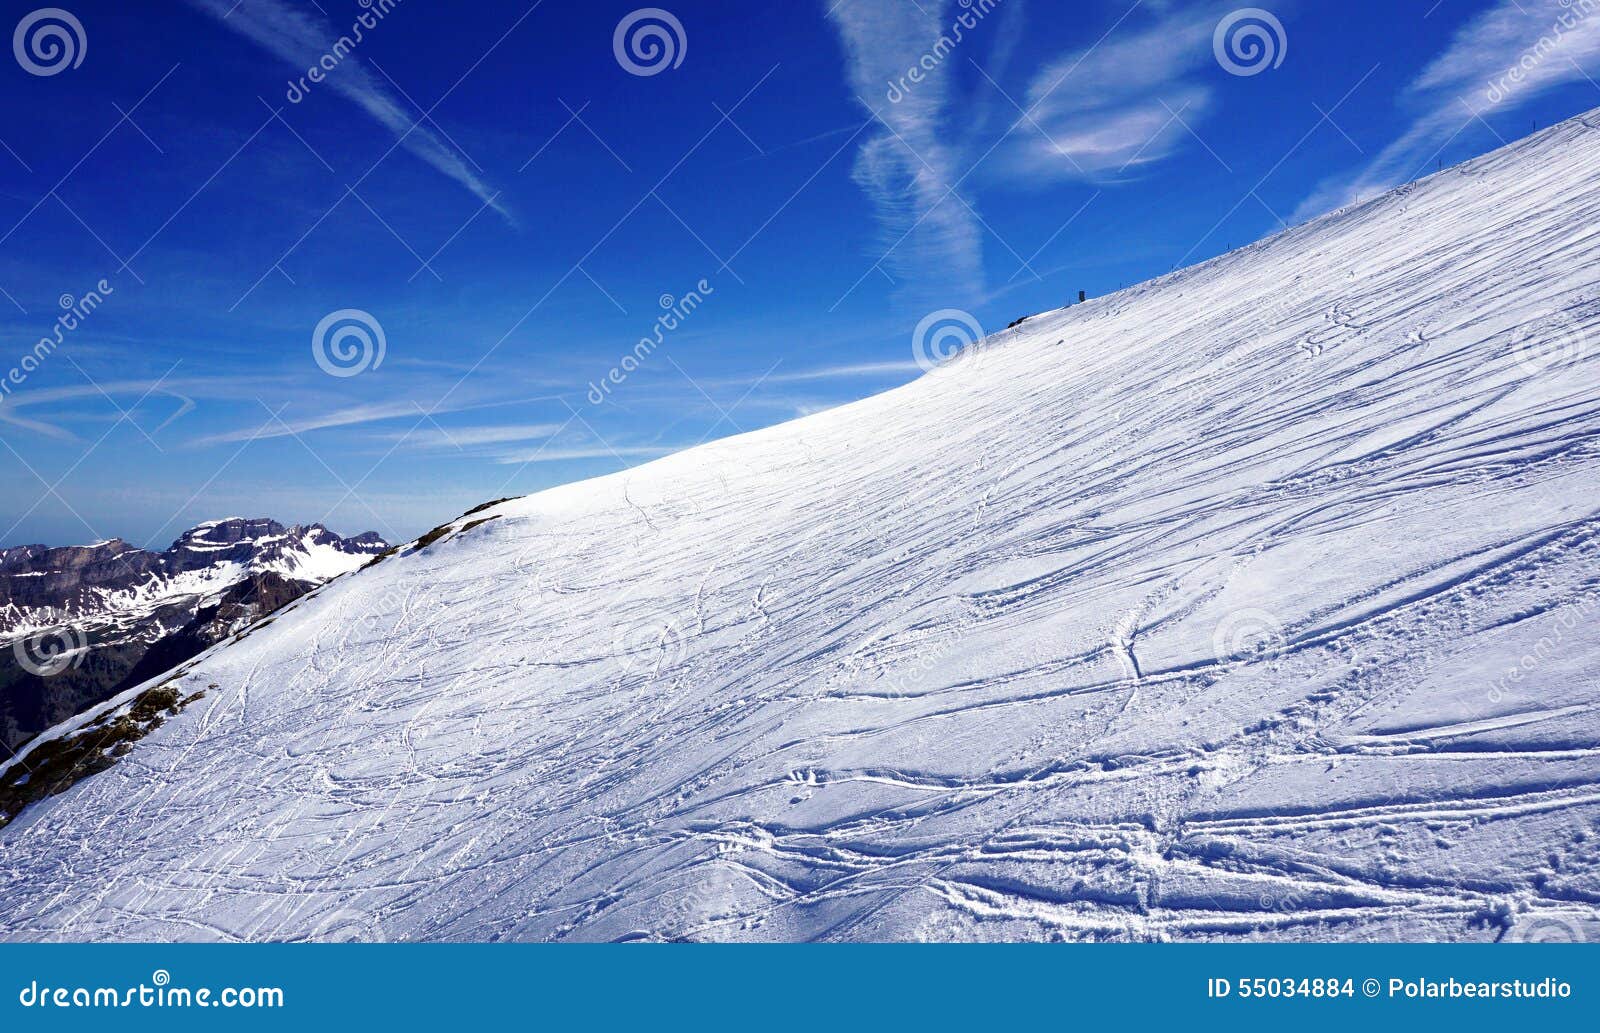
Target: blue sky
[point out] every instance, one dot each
(516, 195)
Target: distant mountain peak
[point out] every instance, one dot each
(133, 610)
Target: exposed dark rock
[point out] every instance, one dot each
(81, 624)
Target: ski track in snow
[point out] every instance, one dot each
(1187, 613)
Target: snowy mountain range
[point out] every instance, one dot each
(79, 624)
(1253, 602)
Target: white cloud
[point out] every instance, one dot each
(351, 416)
(452, 438)
(860, 369)
(1120, 104)
(1498, 62)
(302, 40)
(909, 168)
(122, 398)
(409, 409)
(556, 455)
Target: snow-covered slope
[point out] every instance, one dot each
(1255, 601)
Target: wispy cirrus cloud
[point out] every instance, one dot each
(121, 398)
(399, 409)
(302, 39)
(462, 438)
(564, 454)
(1497, 62)
(1122, 103)
(848, 371)
(350, 416)
(910, 163)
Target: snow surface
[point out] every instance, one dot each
(124, 609)
(1190, 612)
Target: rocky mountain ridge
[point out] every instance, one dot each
(80, 623)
